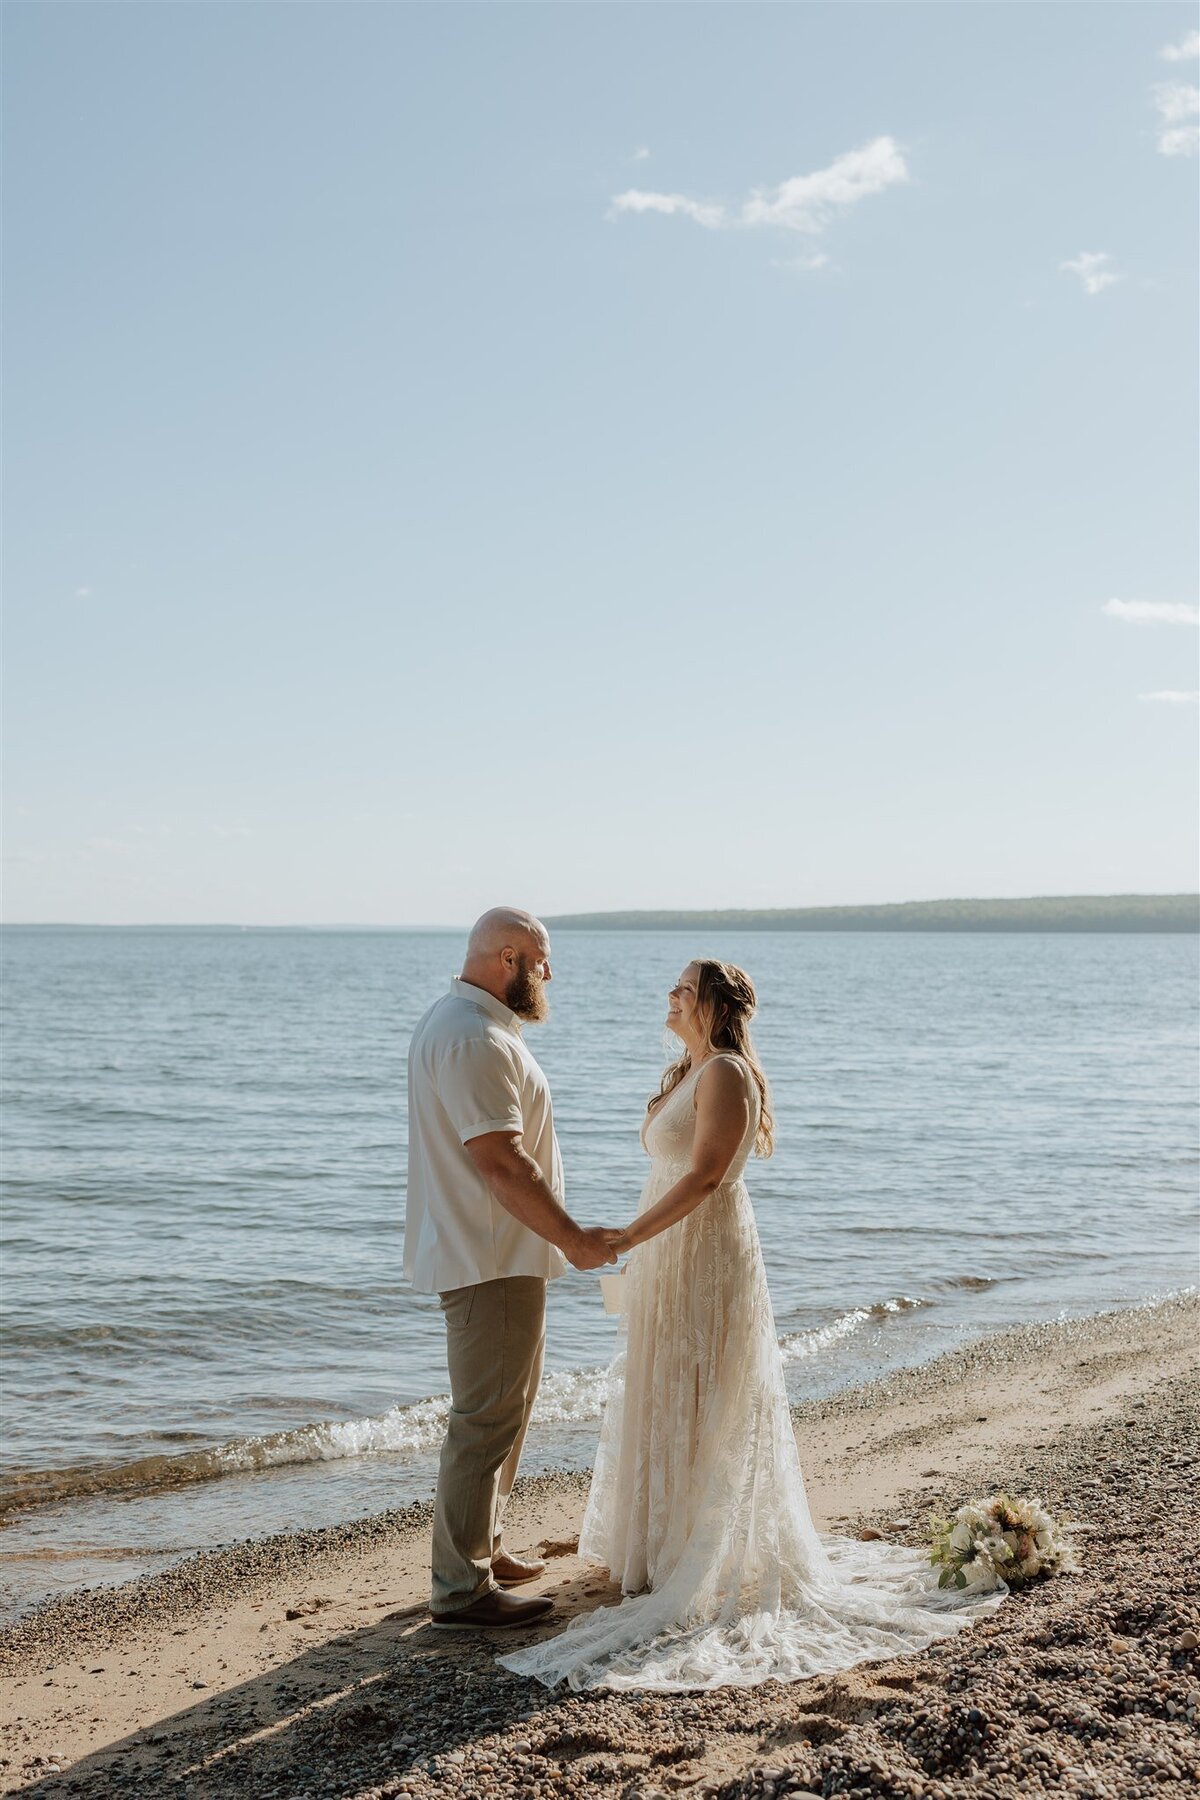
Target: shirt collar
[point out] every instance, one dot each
(480, 997)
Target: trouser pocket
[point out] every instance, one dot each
(457, 1304)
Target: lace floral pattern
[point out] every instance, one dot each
(697, 1505)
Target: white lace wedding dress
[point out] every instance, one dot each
(697, 1494)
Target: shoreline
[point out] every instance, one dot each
(875, 1384)
(257, 1554)
(303, 1663)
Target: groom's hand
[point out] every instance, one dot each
(592, 1247)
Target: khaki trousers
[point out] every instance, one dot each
(495, 1342)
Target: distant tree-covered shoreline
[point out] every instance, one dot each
(1075, 912)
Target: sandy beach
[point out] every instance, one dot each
(305, 1666)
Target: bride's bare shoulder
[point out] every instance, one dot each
(722, 1080)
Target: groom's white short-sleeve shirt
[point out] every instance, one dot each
(470, 1072)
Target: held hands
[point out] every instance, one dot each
(594, 1246)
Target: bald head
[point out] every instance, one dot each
(505, 926)
(508, 955)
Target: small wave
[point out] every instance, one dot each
(566, 1398)
(570, 1397)
(795, 1345)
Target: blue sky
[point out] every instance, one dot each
(597, 456)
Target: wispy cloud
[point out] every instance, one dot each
(640, 154)
(802, 203)
(808, 202)
(1089, 265)
(1152, 612)
(83, 593)
(1174, 696)
(1186, 50)
(1178, 104)
(704, 212)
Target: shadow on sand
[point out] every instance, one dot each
(356, 1711)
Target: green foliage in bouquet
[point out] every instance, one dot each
(999, 1540)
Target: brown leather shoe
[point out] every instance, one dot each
(511, 1571)
(494, 1611)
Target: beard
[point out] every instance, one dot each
(526, 994)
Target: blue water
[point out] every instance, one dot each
(208, 1330)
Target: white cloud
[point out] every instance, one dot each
(1152, 612)
(1174, 696)
(1089, 266)
(1184, 51)
(808, 202)
(1178, 104)
(802, 203)
(640, 154)
(83, 593)
(1176, 100)
(635, 201)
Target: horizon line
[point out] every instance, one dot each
(565, 918)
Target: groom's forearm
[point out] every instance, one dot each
(518, 1185)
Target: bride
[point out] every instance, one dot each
(697, 1505)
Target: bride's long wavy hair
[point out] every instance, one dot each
(726, 1001)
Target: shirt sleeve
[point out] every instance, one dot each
(477, 1085)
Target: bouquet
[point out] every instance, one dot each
(999, 1539)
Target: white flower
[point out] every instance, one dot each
(1000, 1538)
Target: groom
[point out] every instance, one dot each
(486, 1229)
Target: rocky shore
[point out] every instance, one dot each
(304, 1668)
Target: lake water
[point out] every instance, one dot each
(208, 1332)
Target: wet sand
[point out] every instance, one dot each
(304, 1665)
